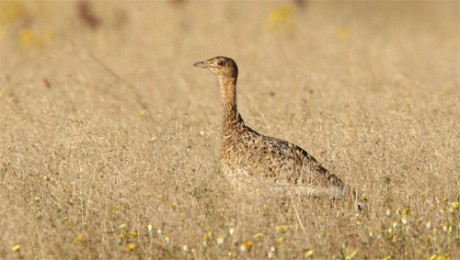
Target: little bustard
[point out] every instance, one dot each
(252, 161)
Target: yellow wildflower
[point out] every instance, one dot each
(28, 37)
(446, 227)
(80, 237)
(388, 212)
(205, 240)
(231, 231)
(11, 11)
(407, 210)
(428, 225)
(308, 253)
(16, 248)
(343, 33)
(133, 234)
(167, 238)
(266, 207)
(258, 236)
(281, 228)
(281, 15)
(220, 240)
(453, 206)
(131, 246)
(246, 246)
(445, 256)
(404, 219)
(122, 226)
(282, 18)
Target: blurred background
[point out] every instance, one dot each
(146, 42)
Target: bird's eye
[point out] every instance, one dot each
(221, 63)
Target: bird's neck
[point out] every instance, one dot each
(228, 89)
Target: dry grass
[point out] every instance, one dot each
(106, 129)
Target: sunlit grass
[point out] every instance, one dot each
(109, 138)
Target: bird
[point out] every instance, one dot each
(251, 160)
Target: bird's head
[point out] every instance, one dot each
(221, 66)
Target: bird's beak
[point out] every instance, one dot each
(201, 64)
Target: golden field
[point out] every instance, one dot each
(109, 137)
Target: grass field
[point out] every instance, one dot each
(109, 137)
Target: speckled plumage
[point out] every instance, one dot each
(254, 161)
